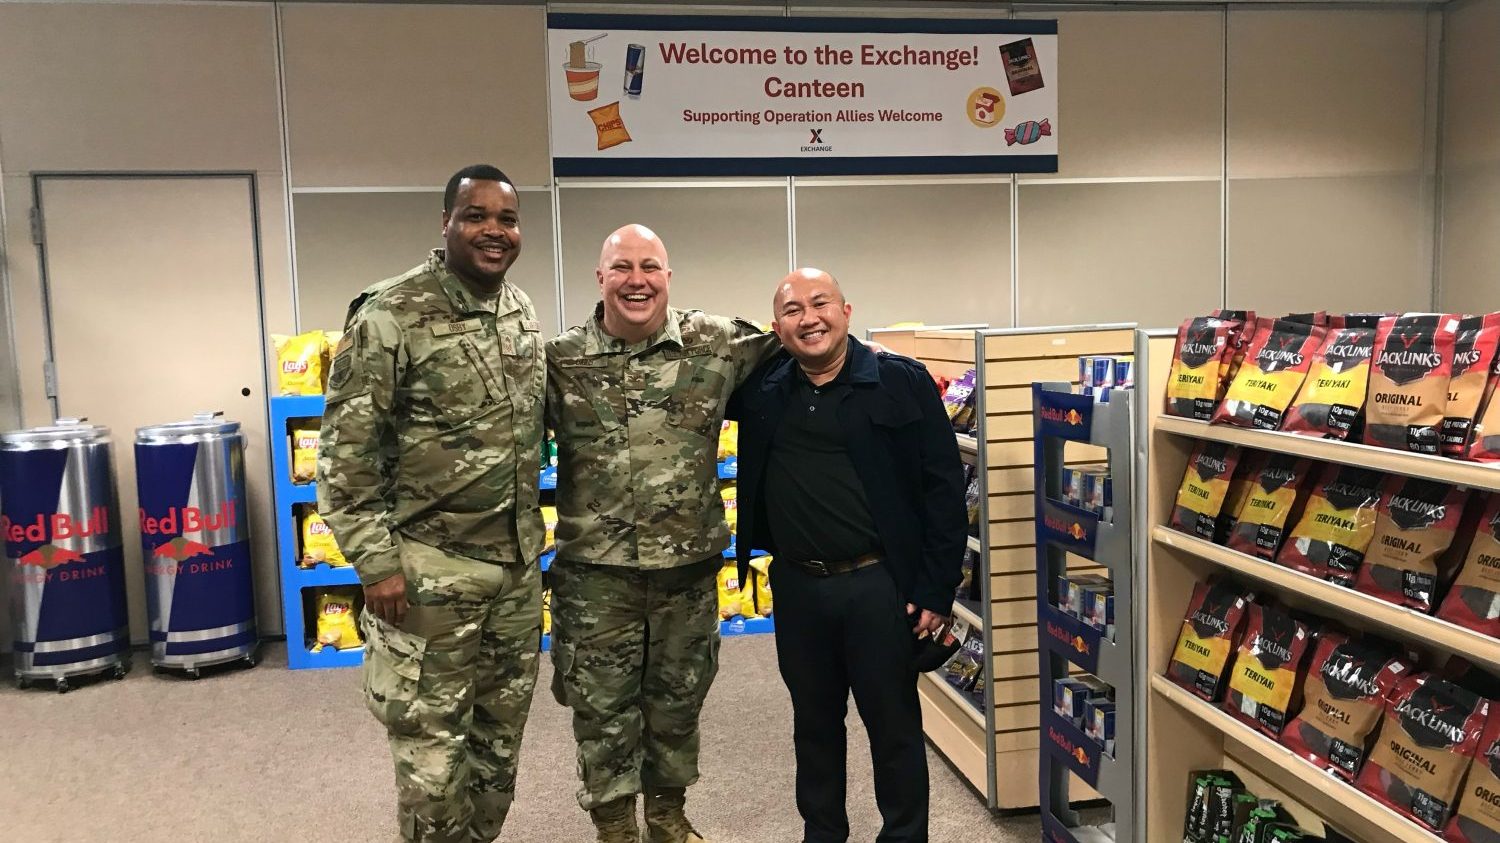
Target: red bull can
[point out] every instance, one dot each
(61, 521)
(195, 542)
(635, 68)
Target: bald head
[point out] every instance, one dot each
(805, 279)
(633, 282)
(633, 237)
(812, 319)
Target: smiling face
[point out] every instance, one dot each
(482, 233)
(812, 318)
(633, 282)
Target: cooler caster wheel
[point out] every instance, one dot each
(119, 671)
(192, 673)
(250, 661)
(63, 687)
(23, 683)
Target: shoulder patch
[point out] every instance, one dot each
(343, 359)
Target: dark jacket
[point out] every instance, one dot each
(902, 446)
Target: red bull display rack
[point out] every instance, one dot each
(1087, 730)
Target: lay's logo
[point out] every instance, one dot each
(293, 367)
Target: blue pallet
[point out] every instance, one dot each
(741, 626)
(325, 575)
(329, 657)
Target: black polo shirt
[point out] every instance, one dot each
(815, 502)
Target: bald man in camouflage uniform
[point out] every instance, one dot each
(637, 395)
(428, 475)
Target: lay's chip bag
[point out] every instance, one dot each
(1275, 365)
(1205, 485)
(731, 507)
(762, 567)
(547, 611)
(304, 455)
(729, 440)
(549, 521)
(729, 592)
(299, 363)
(338, 625)
(318, 544)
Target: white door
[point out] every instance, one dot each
(153, 296)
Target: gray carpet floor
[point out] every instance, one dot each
(270, 754)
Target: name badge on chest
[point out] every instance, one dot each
(448, 329)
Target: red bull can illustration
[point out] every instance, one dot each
(195, 542)
(60, 519)
(635, 68)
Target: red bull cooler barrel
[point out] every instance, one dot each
(61, 520)
(195, 543)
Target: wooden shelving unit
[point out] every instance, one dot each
(1184, 733)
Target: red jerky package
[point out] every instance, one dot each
(1345, 693)
(1477, 819)
(1430, 734)
(1331, 537)
(1474, 351)
(1262, 521)
(1275, 364)
(1474, 599)
(1194, 383)
(1205, 486)
(1241, 327)
(1484, 436)
(1208, 636)
(1414, 524)
(1409, 377)
(1332, 396)
(1239, 489)
(1263, 684)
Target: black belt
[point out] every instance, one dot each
(823, 568)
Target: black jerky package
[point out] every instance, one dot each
(1474, 599)
(1212, 799)
(1429, 736)
(1209, 634)
(1337, 524)
(1267, 814)
(1343, 697)
(1414, 525)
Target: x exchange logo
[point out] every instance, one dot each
(817, 136)
(815, 143)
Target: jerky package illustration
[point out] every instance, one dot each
(1194, 383)
(1474, 351)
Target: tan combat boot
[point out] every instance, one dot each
(665, 820)
(616, 821)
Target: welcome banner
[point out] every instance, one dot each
(754, 96)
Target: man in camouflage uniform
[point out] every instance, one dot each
(428, 475)
(637, 396)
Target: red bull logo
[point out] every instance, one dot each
(1075, 751)
(49, 556)
(57, 525)
(180, 521)
(1073, 529)
(1071, 417)
(180, 549)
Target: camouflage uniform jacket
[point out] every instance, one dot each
(638, 437)
(433, 424)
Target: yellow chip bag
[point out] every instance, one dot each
(304, 456)
(337, 625)
(547, 612)
(762, 567)
(549, 520)
(299, 363)
(729, 592)
(729, 440)
(609, 125)
(318, 544)
(731, 507)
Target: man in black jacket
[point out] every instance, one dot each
(849, 475)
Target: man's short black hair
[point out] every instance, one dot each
(482, 172)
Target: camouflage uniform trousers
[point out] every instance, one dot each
(453, 688)
(635, 653)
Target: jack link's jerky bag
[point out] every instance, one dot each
(1263, 682)
(1207, 638)
(1430, 734)
(1239, 489)
(1477, 819)
(1241, 327)
(1276, 363)
(1409, 382)
(1484, 436)
(1474, 599)
(1333, 395)
(1331, 537)
(1474, 351)
(1343, 697)
(1267, 510)
(1193, 384)
(1414, 524)
(1205, 485)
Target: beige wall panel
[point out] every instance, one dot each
(727, 246)
(1141, 93)
(348, 241)
(1146, 253)
(1335, 244)
(1471, 248)
(24, 276)
(1316, 93)
(404, 95)
(933, 253)
(1471, 70)
(96, 86)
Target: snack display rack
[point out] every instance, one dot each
(996, 745)
(1061, 417)
(1182, 732)
(297, 581)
